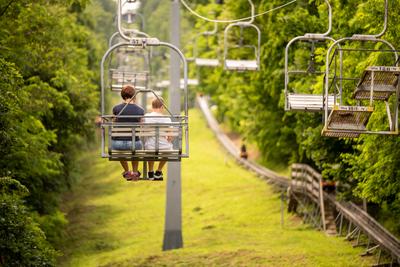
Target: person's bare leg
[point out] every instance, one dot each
(124, 165)
(135, 166)
(161, 165)
(151, 166)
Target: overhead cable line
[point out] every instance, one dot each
(235, 20)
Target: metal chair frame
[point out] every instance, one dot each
(307, 102)
(392, 119)
(210, 62)
(242, 65)
(180, 121)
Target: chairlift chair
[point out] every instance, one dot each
(302, 101)
(133, 67)
(177, 128)
(376, 84)
(205, 62)
(242, 64)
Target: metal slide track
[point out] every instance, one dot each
(375, 232)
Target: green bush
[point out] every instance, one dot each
(22, 243)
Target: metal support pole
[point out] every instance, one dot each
(144, 106)
(173, 212)
(282, 208)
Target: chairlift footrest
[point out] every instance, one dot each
(340, 133)
(384, 80)
(348, 119)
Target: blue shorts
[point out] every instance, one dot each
(125, 145)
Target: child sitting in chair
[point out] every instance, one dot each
(164, 143)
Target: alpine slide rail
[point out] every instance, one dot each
(318, 207)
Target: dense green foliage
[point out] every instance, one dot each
(49, 54)
(22, 243)
(252, 103)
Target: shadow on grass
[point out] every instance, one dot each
(85, 230)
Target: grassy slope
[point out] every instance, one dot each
(230, 218)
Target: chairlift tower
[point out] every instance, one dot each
(173, 212)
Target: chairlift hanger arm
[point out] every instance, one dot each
(375, 36)
(252, 9)
(119, 24)
(144, 42)
(300, 38)
(212, 32)
(316, 35)
(243, 24)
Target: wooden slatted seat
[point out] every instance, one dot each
(207, 62)
(120, 78)
(384, 81)
(241, 65)
(118, 87)
(129, 76)
(144, 132)
(308, 102)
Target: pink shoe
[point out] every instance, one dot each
(134, 176)
(127, 175)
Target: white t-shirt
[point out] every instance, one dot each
(163, 143)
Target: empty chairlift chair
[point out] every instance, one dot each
(308, 100)
(201, 61)
(376, 84)
(242, 64)
(133, 68)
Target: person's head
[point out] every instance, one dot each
(157, 103)
(127, 92)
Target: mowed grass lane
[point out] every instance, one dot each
(230, 218)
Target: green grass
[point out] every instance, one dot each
(230, 218)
